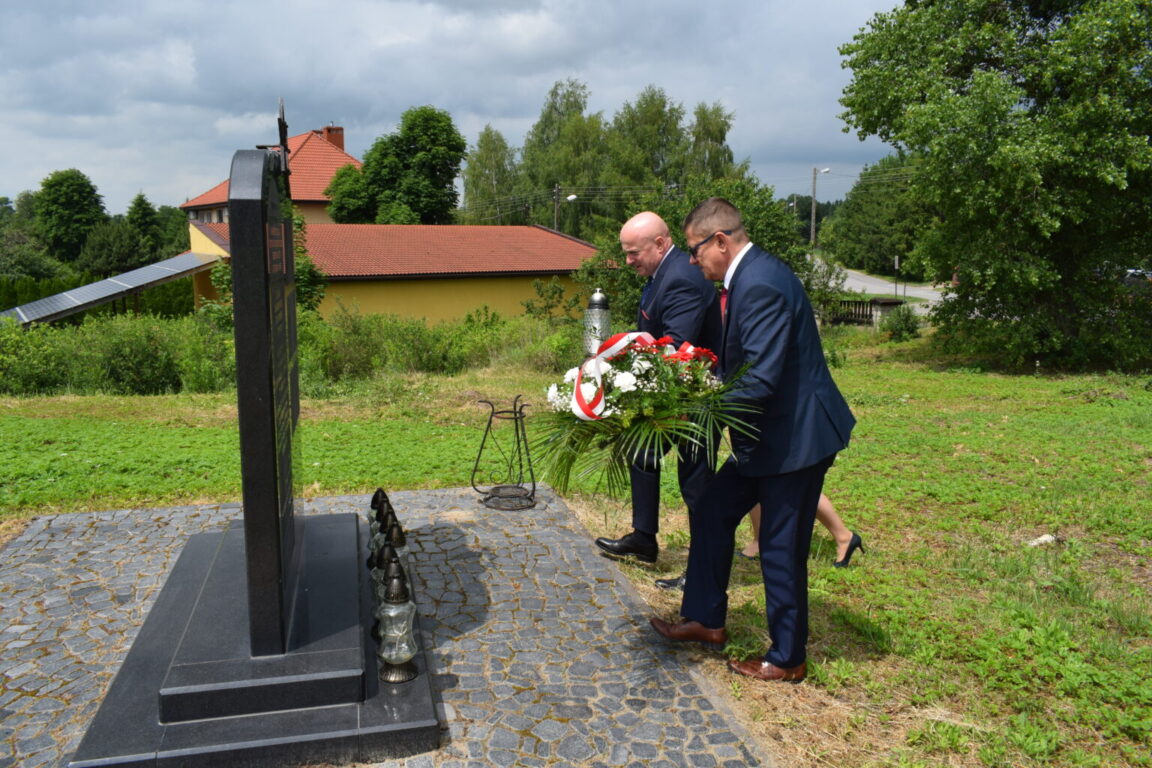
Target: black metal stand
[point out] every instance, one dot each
(505, 479)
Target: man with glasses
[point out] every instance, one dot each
(772, 349)
(678, 302)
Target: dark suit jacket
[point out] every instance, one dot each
(771, 328)
(682, 304)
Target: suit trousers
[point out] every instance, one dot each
(694, 470)
(787, 514)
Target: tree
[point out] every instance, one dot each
(879, 222)
(112, 247)
(416, 167)
(408, 177)
(23, 256)
(1032, 122)
(142, 218)
(564, 153)
(709, 155)
(350, 202)
(172, 224)
(647, 141)
(489, 181)
(67, 208)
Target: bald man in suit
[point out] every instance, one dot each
(772, 354)
(678, 302)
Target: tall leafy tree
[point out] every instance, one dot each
(408, 176)
(647, 141)
(489, 181)
(1032, 120)
(350, 201)
(879, 223)
(112, 247)
(67, 208)
(142, 218)
(172, 224)
(23, 256)
(7, 212)
(416, 167)
(564, 153)
(709, 155)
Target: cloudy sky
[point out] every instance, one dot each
(154, 96)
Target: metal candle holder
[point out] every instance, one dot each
(510, 484)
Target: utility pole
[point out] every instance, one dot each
(556, 208)
(815, 172)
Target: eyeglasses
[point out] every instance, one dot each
(692, 249)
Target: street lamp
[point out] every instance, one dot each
(815, 173)
(556, 206)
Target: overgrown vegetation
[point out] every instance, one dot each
(144, 355)
(952, 641)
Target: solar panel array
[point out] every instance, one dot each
(94, 294)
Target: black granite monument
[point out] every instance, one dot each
(288, 675)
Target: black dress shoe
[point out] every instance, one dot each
(676, 583)
(631, 545)
(853, 545)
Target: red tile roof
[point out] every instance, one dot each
(367, 251)
(313, 161)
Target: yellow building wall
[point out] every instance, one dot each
(314, 213)
(435, 300)
(202, 287)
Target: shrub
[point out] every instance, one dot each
(205, 355)
(901, 324)
(33, 361)
(136, 354)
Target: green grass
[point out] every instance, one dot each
(991, 652)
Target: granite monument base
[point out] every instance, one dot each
(190, 693)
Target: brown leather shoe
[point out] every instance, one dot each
(690, 631)
(766, 670)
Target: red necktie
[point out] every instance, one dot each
(724, 304)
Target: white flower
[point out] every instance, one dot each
(571, 375)
(596, 366)
(624, 381)
(640, 365)
(555, 399)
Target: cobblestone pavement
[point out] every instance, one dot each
(541, 648)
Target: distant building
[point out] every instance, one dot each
(313, 159)
(436, 272)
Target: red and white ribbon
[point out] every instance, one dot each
(592, 409)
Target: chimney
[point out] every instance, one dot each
(334, 134)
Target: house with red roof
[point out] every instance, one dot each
(435, 272)
(313, 159)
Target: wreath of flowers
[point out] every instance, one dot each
(638, 395)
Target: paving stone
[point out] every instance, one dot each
(541, 650)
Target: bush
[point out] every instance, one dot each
(137, 355)
(141, 355)
(205, 355)
(32, 361)
(901, 324)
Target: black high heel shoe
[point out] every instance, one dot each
(854, 544)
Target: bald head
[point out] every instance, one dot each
(644, 239)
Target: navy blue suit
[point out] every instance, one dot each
(772, 344)
(682, 304)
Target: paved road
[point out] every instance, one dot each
(858, 281)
